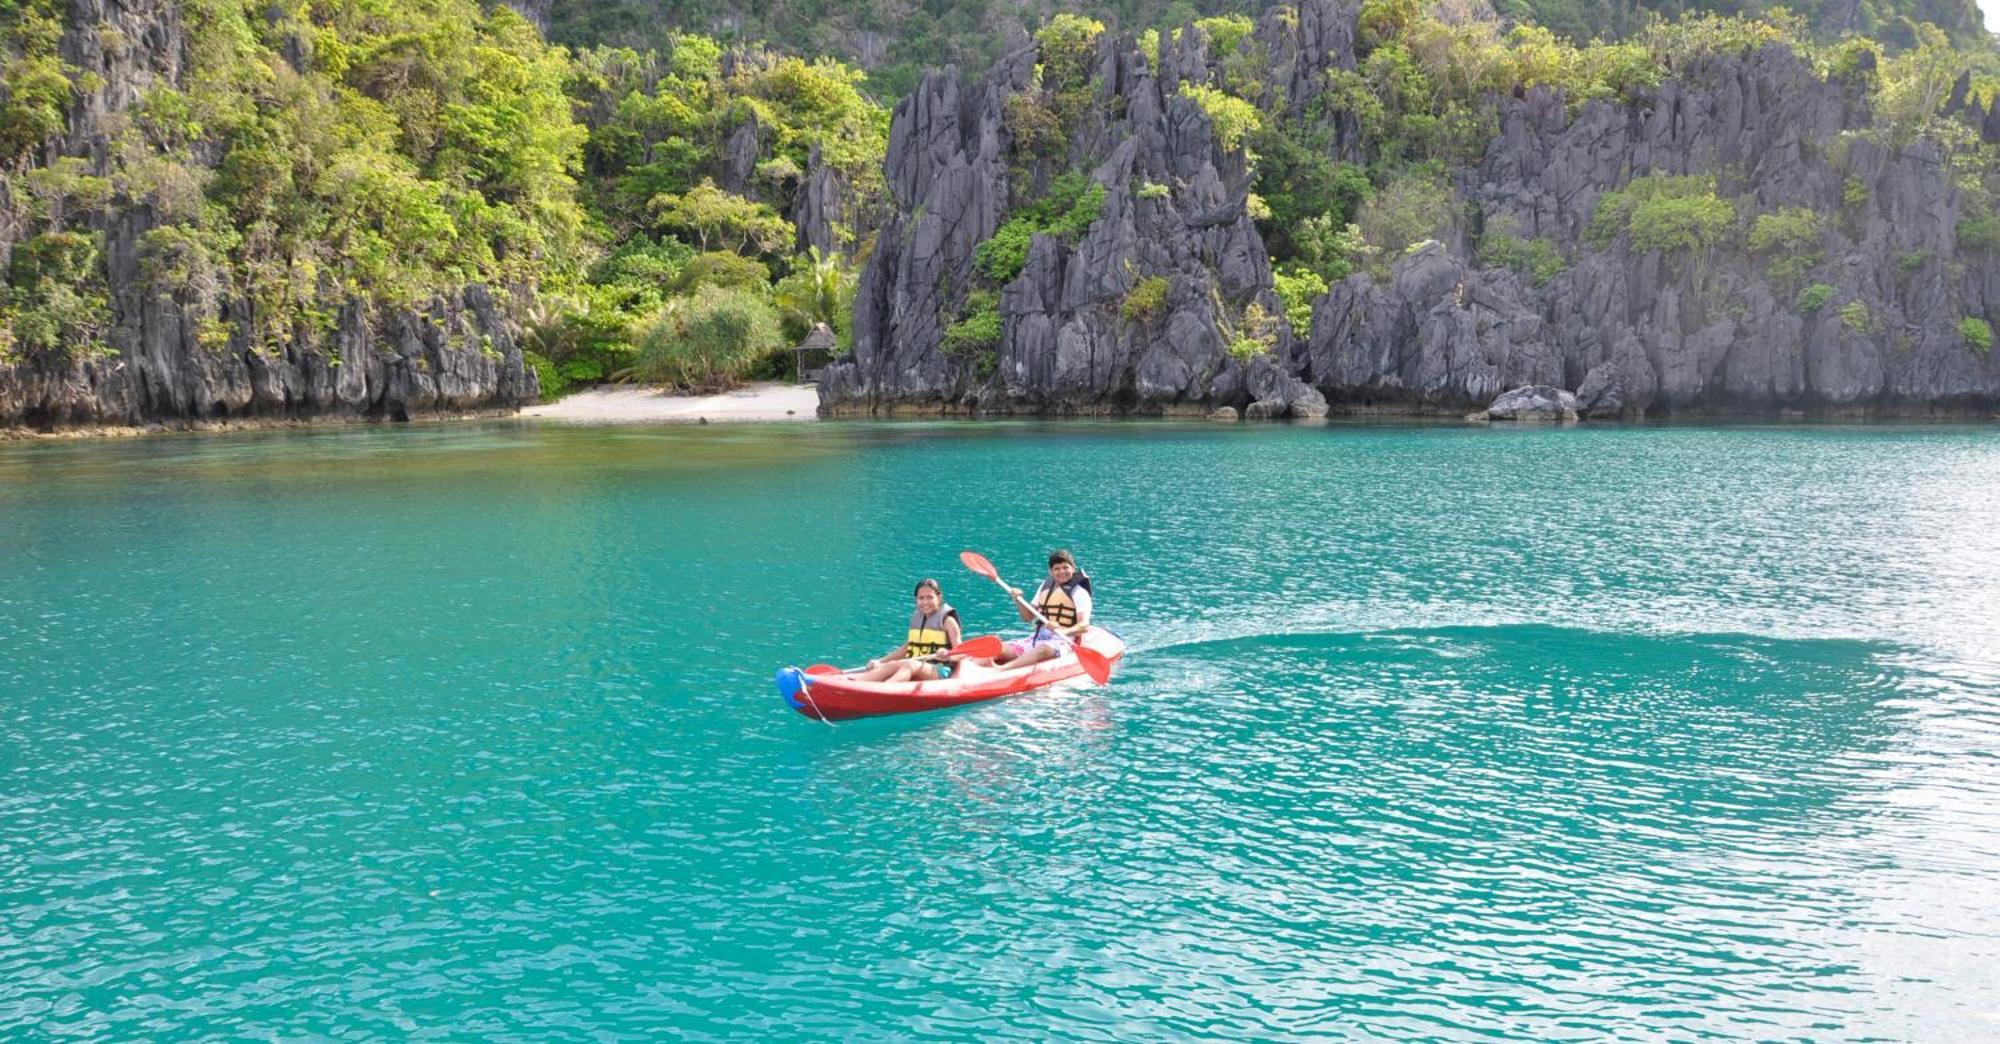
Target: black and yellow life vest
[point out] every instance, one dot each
(927, 634)
(1058, 602)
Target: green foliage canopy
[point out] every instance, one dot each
(1147, 300)
(1977, 333)
(1072, 203)
(978, 328)
(707, 339)
(1664, 212)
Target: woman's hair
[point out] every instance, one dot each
(930, 583)
(1062, 554)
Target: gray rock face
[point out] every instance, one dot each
(1638, 332)
(739, 157)
(1632, 332)
(1534, 402)
(821, 203)
(535, 11)
(1321, 40)
(1173, 210)
(1435, 337)
(457, 354)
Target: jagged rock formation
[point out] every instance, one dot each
(458, 354)
(1632, 332)
(1438, 333)
(390, 367)
(1644, 331)
(1173, 209)
(820, 198)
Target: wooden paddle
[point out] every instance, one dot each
(1092, 661)
(984, 647)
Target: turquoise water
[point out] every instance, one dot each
(1428, 733)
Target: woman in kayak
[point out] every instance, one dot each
(934, 628)
(1064, 600)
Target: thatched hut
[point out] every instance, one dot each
(814, 353)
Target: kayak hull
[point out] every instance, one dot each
(841, 697)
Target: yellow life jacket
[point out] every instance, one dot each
(1055, 602)
(927, 634)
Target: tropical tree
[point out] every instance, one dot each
(707, 339)
(819, 289)
(712, 214)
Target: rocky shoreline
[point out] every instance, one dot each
(185, 426)
(698, 410)
(458, 358)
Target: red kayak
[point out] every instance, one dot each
(838, 697)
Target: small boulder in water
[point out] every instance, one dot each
(1309, 403)
(1224, 413)
(1533, 402)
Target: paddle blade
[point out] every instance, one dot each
(822, 668)
(983, 647)
(977, 563)
(1093, 664)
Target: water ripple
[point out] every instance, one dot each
(1428, 733)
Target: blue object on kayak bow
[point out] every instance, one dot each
(791, 682)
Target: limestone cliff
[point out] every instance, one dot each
(1635, 331)
(1173, 210)
(458, 353)
(1868, 322)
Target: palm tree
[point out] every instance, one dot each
(819, 290)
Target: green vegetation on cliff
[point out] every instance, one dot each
(656, 188)
(413, 148)
(896, 42)
(696, 160)
(1422, 104)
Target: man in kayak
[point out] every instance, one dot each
(1064, 600)
(934, 627)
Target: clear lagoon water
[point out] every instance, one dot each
(1427, 733)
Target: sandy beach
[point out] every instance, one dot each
(764, 401)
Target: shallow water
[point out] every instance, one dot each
(1427, 733)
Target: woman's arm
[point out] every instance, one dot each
(952, 631)
(900, 652)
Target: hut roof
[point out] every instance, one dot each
(821, 338)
